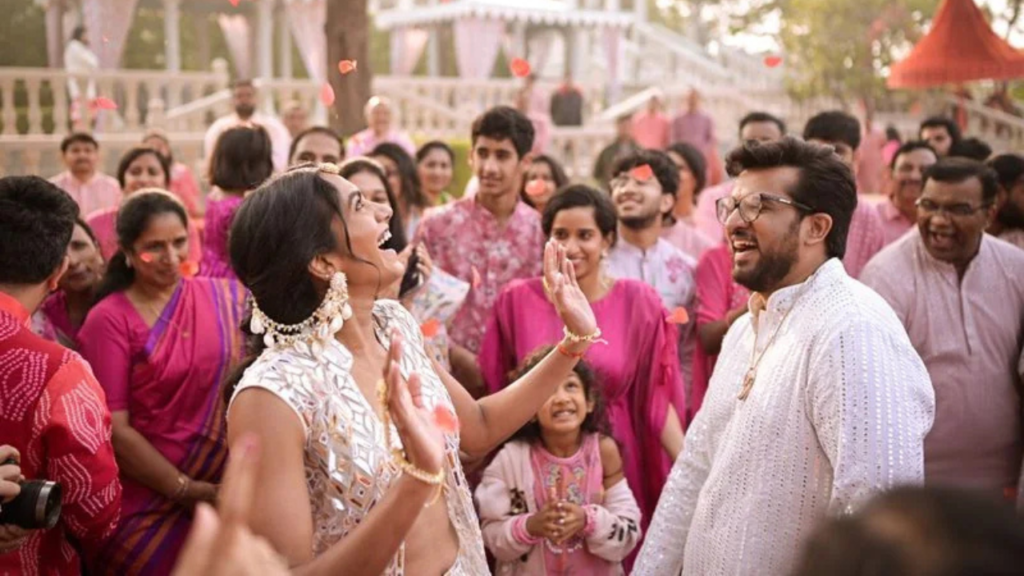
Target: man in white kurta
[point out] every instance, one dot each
(840, 402)
(244, 98)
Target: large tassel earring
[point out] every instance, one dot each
(313, 333)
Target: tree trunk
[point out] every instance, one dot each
(348, 38)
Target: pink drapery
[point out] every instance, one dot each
(540, 49)
(476, 46)
(407, 46)
(108, 22)
(238, 35)
(307, 19)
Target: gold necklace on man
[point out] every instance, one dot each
(751, 375)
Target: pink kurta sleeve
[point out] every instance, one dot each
(712, 289)
(105, 345)
(497, 355)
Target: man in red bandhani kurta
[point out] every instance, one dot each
(52, 410)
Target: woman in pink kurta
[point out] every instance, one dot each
(638, 365)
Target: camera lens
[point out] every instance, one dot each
(36, 507)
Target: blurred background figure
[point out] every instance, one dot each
(245, 99)
(380, 128)
(435, 163)
(183, 182)
(295, 117)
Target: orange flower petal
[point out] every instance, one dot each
(679, 316)
(188, 268)
(476, 278)
(146, 257)
(536, 187)
(346, 66)
(430, 327)
(234, 3)
(445, 419)
(772, 61)
(104, 103)
(327, 94)
(642, 173)
(520, 68)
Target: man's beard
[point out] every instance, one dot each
(773, 266)
(1011, 216)
(244, 110)
(641, 222)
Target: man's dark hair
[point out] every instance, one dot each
(505, 123)
(36, 222)
(76, 137)
(1009, 169)
(663, 167)
(954, 170)
(973, 148)
(315, 130)
(826, 184)
(942, 122)
(914, 531)
(763, 117)
(910, 146)
(243, 83)
(834, 126)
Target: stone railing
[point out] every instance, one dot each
(25, 93)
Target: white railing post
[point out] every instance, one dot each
(10, 113)
(35, 115)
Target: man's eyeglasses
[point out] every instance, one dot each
(960, 210)
(750, 206)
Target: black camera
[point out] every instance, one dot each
(36, 507)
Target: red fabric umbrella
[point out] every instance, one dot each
(960, 47)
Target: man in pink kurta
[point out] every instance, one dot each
(866, 235)
(898, 213)
(759, 126)
(82, 180)
(960, 294)
(492, 238)
(651, 127)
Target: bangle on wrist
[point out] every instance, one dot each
(184, 482)
(594, 336)
(566, 352)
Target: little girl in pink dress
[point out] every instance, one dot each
(555, 499)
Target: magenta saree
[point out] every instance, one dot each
(168, 379)
(638, 368)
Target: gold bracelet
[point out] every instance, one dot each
(433, 479)
(576, 338)
(183, 484)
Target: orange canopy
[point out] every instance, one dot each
(960, 47)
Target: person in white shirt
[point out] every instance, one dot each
(818, 400)
(245, 99)
(79, 59)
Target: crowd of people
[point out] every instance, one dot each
(651, 369)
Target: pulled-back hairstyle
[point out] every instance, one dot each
(581, 196)
(276, 233)
(133, 218)
(825, 184)
(595, 422)
(412, 192)
(137, 152)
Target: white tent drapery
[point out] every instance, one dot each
(107, 23)
(407, 46)
(476, 46)
(238, 35)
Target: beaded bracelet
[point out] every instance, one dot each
(565, 352)
(576, 338)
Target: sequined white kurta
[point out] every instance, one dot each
(348, 466)
(838, 412)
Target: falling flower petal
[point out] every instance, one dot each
(234, 3)
(430, 327)
(146, 257)
(104, 103)
(188, 268)
(445, 419)
(643, 173)
(772, 61)
(476, 278)
(346, 66)
(520, 68)
(679, 316)
(536, 188)
(327, 94)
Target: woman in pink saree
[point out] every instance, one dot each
(638, 366)
(160, 343)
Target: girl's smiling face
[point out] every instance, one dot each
(566, 409)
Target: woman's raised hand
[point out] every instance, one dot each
(565, 292)
(420, 435)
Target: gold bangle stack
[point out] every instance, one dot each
(400, 459)
(576, 338)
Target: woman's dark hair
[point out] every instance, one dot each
(350, 168)
(915, 531)
(276, 233)
(133, 217)
(412, 193)
(138, 152)
(242, 159)
(664, 168)
(557, 173)
(434, 145)
(595, 422)
(695, 161)
(581, 196)
(88, 230)
(37, 220)
(891, 133)
(826, 184)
